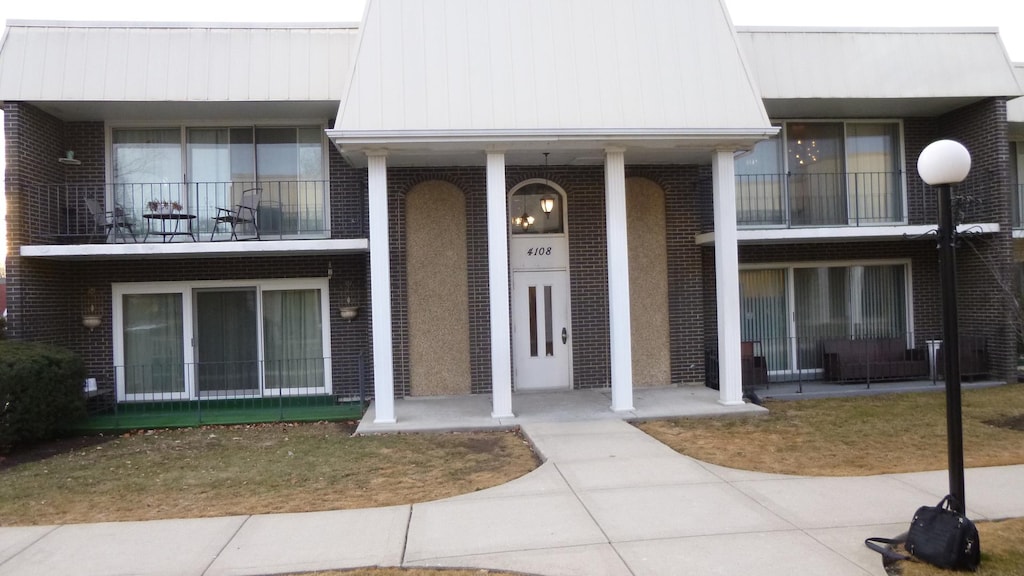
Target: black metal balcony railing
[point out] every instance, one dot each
(841, 199)
(125, 213)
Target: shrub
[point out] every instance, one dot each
(40, 392)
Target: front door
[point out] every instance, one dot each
(541, 339)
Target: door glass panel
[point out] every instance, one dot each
(289, 162)
(146, 166)
(533, 321)
(293, 339)
(549, 338)
(227, 362)
(815, 174)
(759, 198)
(153, 348)
(872, 183)
(221, 163)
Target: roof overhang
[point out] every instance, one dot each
(566, 147)
(118, 111)
(864, 107)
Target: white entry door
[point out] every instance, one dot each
(541, 341)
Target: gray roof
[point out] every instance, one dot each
(502, 69)
(1015, 107)
(161, 62)
(915, 71)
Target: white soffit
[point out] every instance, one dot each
(547, 69)
(1015, 107)
(160, 62)
(807, 63)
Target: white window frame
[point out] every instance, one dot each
(186, 177)
(900, 155)
(186, 290)
(790, 267)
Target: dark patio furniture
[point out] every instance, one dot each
(872, 359)
(973, 358)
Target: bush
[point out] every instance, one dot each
(40, 392)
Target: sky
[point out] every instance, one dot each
(1007, 15)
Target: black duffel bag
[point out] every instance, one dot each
(939, 536)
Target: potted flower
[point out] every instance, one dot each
(163, 206)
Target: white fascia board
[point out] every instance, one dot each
(194, 249)
(841, 233)
(383, 137)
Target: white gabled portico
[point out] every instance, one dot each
(463, 89)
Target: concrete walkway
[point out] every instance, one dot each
(609, 500)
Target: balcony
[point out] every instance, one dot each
(179, 218)
(819, 200)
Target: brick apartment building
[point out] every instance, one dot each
(487, 199)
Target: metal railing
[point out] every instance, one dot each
(839, 199)
(166, 393)
(163, 212)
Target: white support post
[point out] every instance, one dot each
(727, 279)
(380, 289)
(497, 258)
(618, 280)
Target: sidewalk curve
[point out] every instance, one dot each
(608, 500)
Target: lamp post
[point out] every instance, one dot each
(942, 164)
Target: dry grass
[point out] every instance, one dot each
(255, 469)
(855, 436)
(1002, 551)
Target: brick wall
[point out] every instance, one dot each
(34, 142)
(985, 271)
(584, 187)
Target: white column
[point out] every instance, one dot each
(618, 279)
(497, 261)
(727, 279)
(380, 289)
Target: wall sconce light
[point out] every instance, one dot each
(348, 310)
(92, 316)
(547, 204)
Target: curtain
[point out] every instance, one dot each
(763, 314)
(153, 349)
(293, 339)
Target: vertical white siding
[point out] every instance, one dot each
(96, 62)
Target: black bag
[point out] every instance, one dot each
(938, 536)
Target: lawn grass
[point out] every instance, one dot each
(856, 436)
(253, 469)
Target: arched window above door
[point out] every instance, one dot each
(536, 209)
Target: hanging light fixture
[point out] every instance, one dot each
(91, 314)
(547, 204)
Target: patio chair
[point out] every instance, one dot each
(245, 213)
(113, 221)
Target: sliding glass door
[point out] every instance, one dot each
(214, 339)
(792, 310)
(227, 350)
